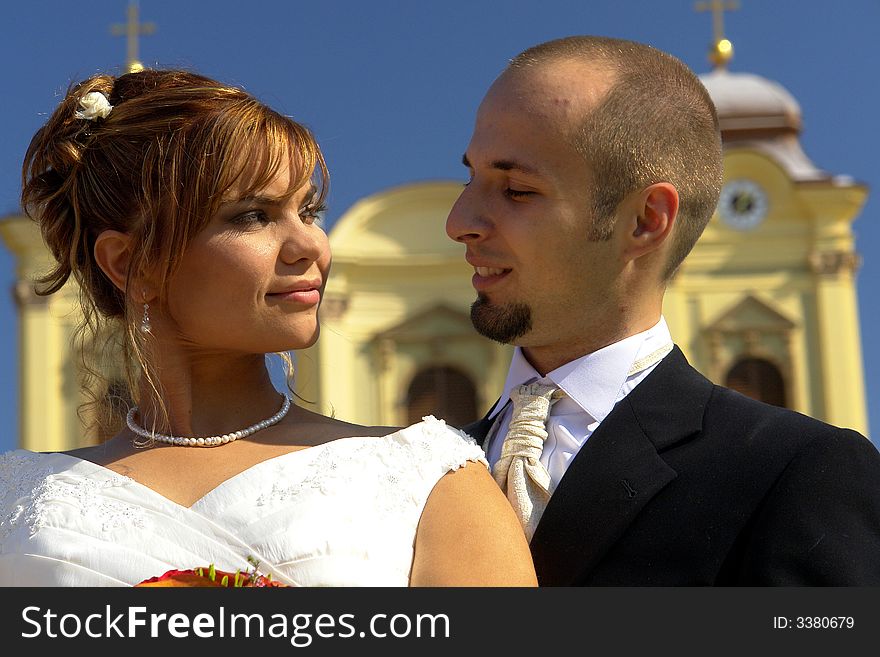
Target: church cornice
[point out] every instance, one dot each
(830, 264)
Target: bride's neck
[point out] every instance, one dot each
(209, 396)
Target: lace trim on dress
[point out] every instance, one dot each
(31, 486)
(18, 472)
(410, 457)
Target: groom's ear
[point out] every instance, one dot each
(649, 219)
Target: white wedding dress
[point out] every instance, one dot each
(339, 514)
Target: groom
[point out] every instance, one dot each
(595, 165)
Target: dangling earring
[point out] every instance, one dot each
(146, 327)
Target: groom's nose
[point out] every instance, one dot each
(466, 223)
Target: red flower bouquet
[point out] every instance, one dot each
(210, 576)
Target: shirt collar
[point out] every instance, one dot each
(593, 381)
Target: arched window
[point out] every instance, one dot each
(443, 392)
(758, 379)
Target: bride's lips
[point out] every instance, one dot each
(487, 277)
(306, 293)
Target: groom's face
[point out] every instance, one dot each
(525, 214)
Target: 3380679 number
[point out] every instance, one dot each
(814, 622)
(824, 622)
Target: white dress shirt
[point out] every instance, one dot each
(593, 385)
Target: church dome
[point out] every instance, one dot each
(751, 106)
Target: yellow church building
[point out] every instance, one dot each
(766, 302)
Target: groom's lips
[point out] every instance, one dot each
(486, 277)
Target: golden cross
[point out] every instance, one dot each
(132, 30)
(722, 49)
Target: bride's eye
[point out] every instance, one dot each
(313, 213)
(250, 218)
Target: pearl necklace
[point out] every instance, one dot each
(206, 441)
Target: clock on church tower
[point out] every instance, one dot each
(742, 204)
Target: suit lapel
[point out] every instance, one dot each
(613, 476)
(618, 471)
(480, 429)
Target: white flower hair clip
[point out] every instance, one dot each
(93, 105)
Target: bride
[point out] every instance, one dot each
(186, 211)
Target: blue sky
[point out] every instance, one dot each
(390, 88)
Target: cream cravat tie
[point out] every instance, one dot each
(519, 471)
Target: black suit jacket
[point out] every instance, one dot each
(688, 483)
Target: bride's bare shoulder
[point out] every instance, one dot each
(332, 428)
(102, 453)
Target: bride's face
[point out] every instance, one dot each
(252, 280)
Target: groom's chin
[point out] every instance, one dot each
(501, 323)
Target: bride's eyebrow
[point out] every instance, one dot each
(264, 199)
(257, 199)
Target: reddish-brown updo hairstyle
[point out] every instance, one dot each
(156, 167)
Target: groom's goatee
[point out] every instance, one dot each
(503, 324)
